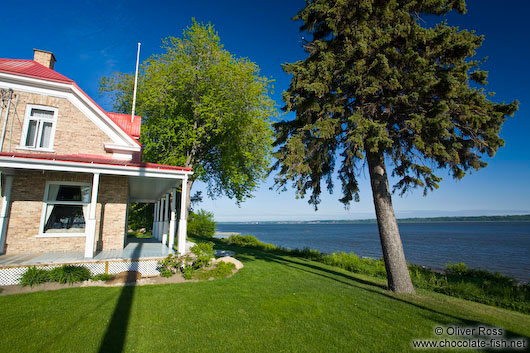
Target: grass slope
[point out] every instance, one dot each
(274, 304)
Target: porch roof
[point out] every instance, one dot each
(147, 181)
(92, 159)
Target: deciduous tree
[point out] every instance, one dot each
(204, 109)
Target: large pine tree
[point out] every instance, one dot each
(379, 85)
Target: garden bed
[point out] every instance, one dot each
(126, 278)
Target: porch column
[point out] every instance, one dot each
(155, 220)
(90, 226)
(159, 224)
(166, 221)
(173, 219)
(4, 212)
(183, 223)
(158, 213)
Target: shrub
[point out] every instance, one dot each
(457, 269)
(188, 271)
(220, 270)
(307, 253)
(171, 264)
(353, 263)
(70, 274)
(201, 224)
(34, 276)
(244, 240)
(223, 269)
(102, 277)
(204, 253)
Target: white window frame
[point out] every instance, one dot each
(45, 204)
(25, 126)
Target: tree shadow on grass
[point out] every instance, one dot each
(116, 333)
(246, 254)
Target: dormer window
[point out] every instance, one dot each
(39, 128)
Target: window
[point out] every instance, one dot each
(65, 209)
(39, 128)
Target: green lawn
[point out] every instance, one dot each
(274, 304)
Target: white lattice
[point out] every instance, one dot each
(146, 268)
(11, 275)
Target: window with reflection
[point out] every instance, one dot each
(66, 209)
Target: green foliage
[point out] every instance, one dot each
(63, 274)
(203, 254)
(34, 276)
(165, 272)
(69, 274)
(377, 80)
(354, 263)
(204, 108)
(220, 270)
(457, 269)
(477, 285)
(188, 271)
(243, 240)
(140, 216)
(306, 253)
(201, 224)
(171, 264)
(139, 235)
(186, 264)
(102, 277)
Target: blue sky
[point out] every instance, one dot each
(91, 39)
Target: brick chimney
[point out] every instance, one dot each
(44, 57)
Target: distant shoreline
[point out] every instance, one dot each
(511, 218)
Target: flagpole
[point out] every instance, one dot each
(135, 82)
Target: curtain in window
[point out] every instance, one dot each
(45, 135)
(32, 133)
(85, 212)
(53, 191)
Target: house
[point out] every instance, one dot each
(69, 169)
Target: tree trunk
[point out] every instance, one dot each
(396, 267)
(189, 184)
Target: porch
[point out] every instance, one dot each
(135, 249)
(58, 205)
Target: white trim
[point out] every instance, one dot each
(91, 221)
(4, 213)
(183, 223)
(114, 147)
(122, 156)
(27, 118)
(70, 92)
(173, 219)
(45, 203)
(61, 235)
(23, 148)
(77, 167)
(166, 220)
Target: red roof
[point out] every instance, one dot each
(31, 68)
(92, 159)
(124, 121)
